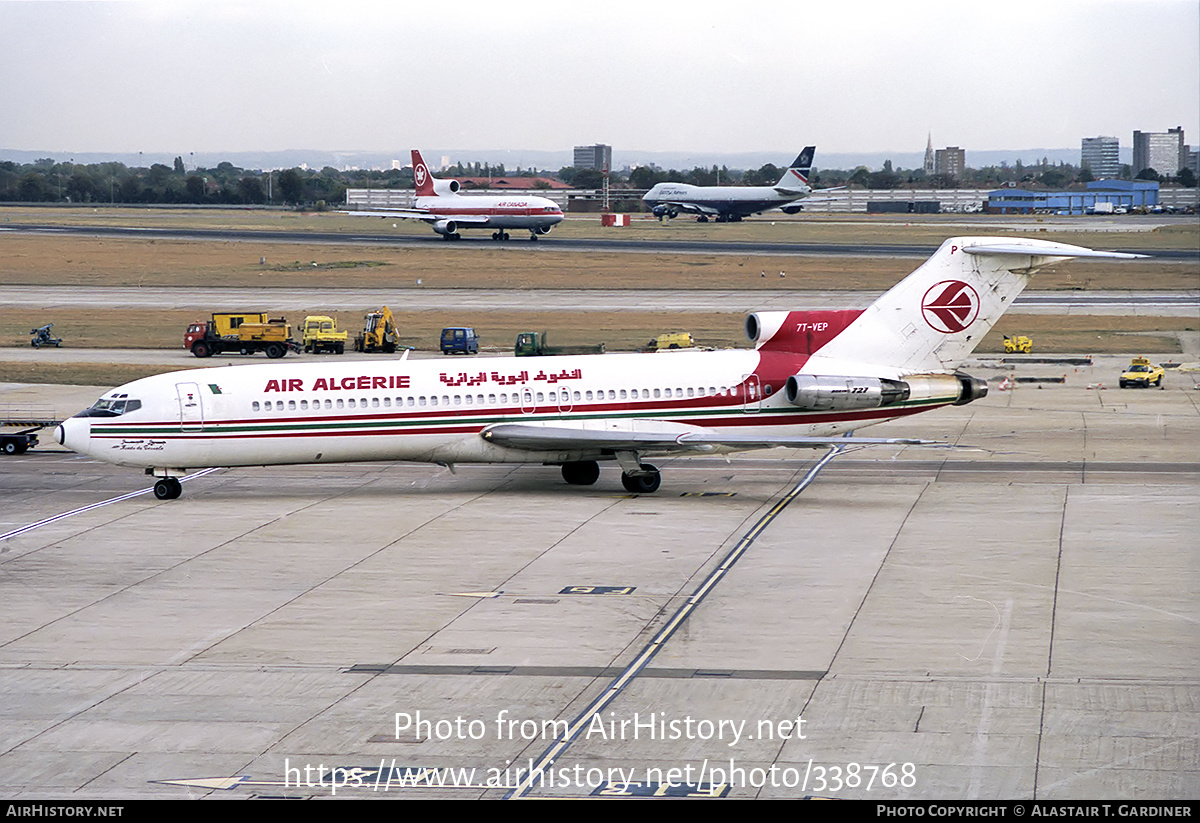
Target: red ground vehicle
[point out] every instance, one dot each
(242, 333)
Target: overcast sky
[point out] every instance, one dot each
(849, 76)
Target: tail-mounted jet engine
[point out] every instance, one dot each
(820, 392)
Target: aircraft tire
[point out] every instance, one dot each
(168, 488)
(581, 473)
(642, 483)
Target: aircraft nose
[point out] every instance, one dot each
(73, 433)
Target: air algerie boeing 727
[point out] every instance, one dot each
(441, 206)
(812, 376)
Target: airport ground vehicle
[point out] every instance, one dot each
(245, 333)
(533, 344)
(1143, 373)
(321, 334)
(379, 333)
(1018, 344)
(19, 425)
(460, 340)
(18, 442)
(41, 337)
(674, 340)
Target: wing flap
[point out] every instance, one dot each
(693, 439)
(417, 214)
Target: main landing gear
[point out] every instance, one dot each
(168, 488)
(645, 480)
(583, 473)
(500, 235)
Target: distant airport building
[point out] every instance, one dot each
(1102, 156)
(1161, 151)
(597, 157)
(1124, 194)
(950, 161)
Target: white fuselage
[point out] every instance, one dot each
(491, 211)
(729, 200)
(434, 411)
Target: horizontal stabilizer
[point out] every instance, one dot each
(1047, 250)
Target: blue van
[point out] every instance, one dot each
(460, 341)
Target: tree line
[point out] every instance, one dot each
(49, 181)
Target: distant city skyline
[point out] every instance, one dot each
(763, 77)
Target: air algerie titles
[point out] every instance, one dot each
(361, 383)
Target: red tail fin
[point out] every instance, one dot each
(421, 176)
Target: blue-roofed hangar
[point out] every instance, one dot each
(1121, 194)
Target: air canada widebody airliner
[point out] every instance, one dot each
(811, 378)
(440, 205)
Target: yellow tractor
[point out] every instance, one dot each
(379, 334)
(1018, 343)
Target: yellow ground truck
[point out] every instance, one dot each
(321, 335)
(245, 333)
(674, 340)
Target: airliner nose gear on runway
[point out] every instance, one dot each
(811, 378)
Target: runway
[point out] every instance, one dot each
(1013, 621)
(282, 298)
(556, 242)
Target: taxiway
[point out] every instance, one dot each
(1017, 621)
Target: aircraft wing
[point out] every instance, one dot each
(418, 214)
(683, 439)
(690, 208)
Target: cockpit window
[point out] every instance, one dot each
(111, 407)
